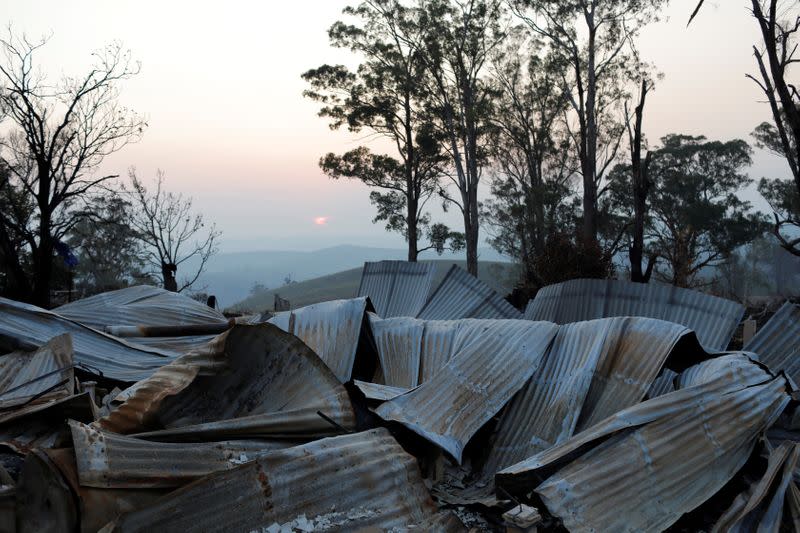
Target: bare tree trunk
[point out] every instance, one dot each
(43, 255)
(589, 162)
(641, 186)
(412, 228)
(168, 273)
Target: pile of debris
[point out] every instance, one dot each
(606, 406)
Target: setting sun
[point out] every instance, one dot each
(320, 221)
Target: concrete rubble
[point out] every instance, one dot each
(604, 407)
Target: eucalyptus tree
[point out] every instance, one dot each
(384, 96)
(595, 39)
(530, 158)
(776, 58)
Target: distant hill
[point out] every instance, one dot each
(230, 276)
(499, 275)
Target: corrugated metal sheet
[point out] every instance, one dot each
(139, 306)
(115, 461)
(375, 391)
(332, 329)
(778, 342)
(398, 341)
(44, 425)
(592, 370)
(271, 385)
(642, 468)
(396, 288)
(713, 319)
(462, 295)
(492, 360)
(39, 376)
(144, 306)
(761, 507)
(349, 482)
(29, 327)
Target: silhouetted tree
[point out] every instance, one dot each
(530, 155)
(107, 246)
(698, 219)
(779, 23)
(384, 96)
(640, 187)
(171, 232)
(458, 39)
(59, 133)
(594, 39)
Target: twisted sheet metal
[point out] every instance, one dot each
(761, 506)
(778, 342)
(396, 288)
(363, 480)
(398, 341)
(492, 360)
(713, 319)
(35, 377)
(272, 385)
(29, 327)
(332, 329)
(141, 305)
(462, 295)
(592, 370)
(376, 391)
(644, 467)
(115, 461)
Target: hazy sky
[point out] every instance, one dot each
(221, 89)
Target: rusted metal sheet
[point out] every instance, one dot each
(492, 360)
(645, 466)
(396, 288)
(761, 506)
(108, 460)
(332, 329)
(27, 327)
(141, 305)
(592, 370)
(256, 381)
(398, 341)
(462, 295)
(29, 378)
(50, 498)
(713, 319)
(778, 342)
(348, 483)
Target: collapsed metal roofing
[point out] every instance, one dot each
(713, 319)
(332, 329)
(645, 466)
(28, 327)
(777, 343)
(257, 382)
(761, 506)
(106, 459)
(492, 360)
(339, 483)
(462, 295)
(141, 305)
(396, 288)
(36, 377)
(592, 370)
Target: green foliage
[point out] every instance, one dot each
(698, 218)
(384, 95)
(108, 249)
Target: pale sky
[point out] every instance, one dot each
(221, 89)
